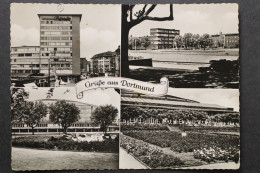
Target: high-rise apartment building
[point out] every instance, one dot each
(60, 44)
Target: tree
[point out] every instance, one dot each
(130, 19)
(104, 116)
(64, 114)
(32, 114)
(146, 42)
(128, 112)
(204, 40)
(178, 40)
(195, 40)
(235, 118)
(187, 39)
(18, 97)
(144, 113)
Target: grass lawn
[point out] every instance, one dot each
(33, 159)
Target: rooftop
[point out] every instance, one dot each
(104, 54)
(23, 46)
(80, 15)
(166, 29)
(217, 35)
(169, 102)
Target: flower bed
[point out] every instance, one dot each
(151, 156)
(160, 138)
(63, 143)
(209, 129)
(127, 127)
(216, 153)
(190, 143)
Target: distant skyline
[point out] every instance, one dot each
(192, 18)
(100, 26)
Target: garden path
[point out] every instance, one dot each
(126, 161)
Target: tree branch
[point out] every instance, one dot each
(144, 16)
(170, 17)
(143, 10)
(150, 10)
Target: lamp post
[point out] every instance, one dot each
(49, 71)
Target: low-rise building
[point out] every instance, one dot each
(84, 124)
(167, 102)
(104, 63)
(230, 40)
(25, 67)
(25, 60)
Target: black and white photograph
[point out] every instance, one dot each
(146, 86)
(193, 45)
(61, 44)
(53, 47)
(54, 130)
(185, 129)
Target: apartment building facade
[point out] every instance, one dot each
(162, 38)
(25, 60)
(104, 63)
(230, 40)
(60, 44)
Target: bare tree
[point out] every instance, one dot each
(130, 18)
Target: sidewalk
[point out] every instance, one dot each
(126, 161)
(230, 165)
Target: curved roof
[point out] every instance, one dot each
(168, 102)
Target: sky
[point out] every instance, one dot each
(193, 18)
(100, 27)
(223, 97)
(94, 97)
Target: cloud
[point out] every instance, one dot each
(24, 36)
(222, 97)
(95, 41)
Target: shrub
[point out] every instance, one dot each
(207, 129)
(136, 126)
(62, 143)
(151, 156)
(191, 143)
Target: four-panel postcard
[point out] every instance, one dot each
(124, 86)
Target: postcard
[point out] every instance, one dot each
(117, 86)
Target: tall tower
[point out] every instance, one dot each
(60, 44)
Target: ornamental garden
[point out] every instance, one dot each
(167, 138)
